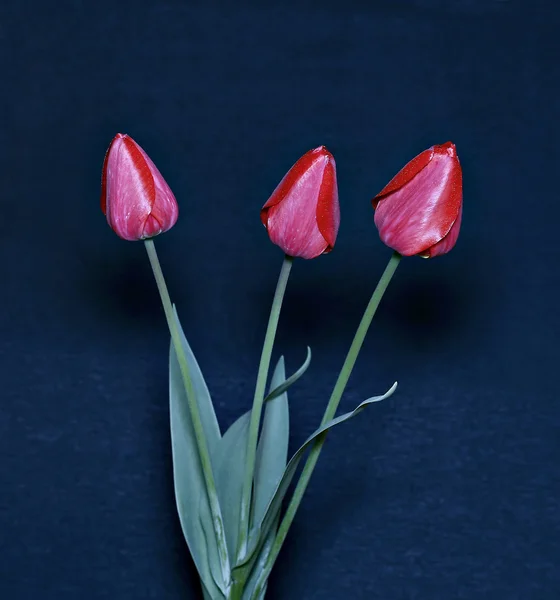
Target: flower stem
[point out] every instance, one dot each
(236, 591)
(258, 403)
(330, 411)
(193, 408)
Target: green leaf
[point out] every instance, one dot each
(205, 594)
(213, 556)
(280, 389)
(203, 399)
(274, 507)
(258, 562)
(230, 469)
(190, 487)
(272, 451)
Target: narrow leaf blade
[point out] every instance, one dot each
(259, 563)
(203, 399)
(230, 470)
(190, 488)
(276, 390)
(212, 552)
(272, 451)
(276, 503)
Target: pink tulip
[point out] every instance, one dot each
(419, 211)
(303, 215)
(135, 198)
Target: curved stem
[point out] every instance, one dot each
(330, 411)
(193, 408)
(258, 403)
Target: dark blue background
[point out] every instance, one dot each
(450, 489)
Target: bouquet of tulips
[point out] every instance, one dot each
(230, 487)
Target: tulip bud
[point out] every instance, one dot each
(303, 215)
(135, 198)
(419, 210)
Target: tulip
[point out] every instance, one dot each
(419, 210)
(135, 197)
(303, 215)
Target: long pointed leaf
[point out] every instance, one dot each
(214, 563)
(213, 557)
(230, 468)
(187, 474)
(272, 451)
(275, 505)
(205, 594)
(259, 563)
(190, 487)
(203, 399)
(280, 389)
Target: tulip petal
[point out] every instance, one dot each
(292, 224)
(449, 241)
(128, 179)
(140, 171)
(165, 210)
(328, 208)
(135, 198)
(291, 178)
(282, 189)
(302, 216)
(409, 171)
(421, 213)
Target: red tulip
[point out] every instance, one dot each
(135, 198)
(419, 210)
(302, 216)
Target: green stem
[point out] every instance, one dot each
(258, 403)
(193, 407)
(329, 414)
(237, 589)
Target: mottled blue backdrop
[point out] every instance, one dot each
(450, 489)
